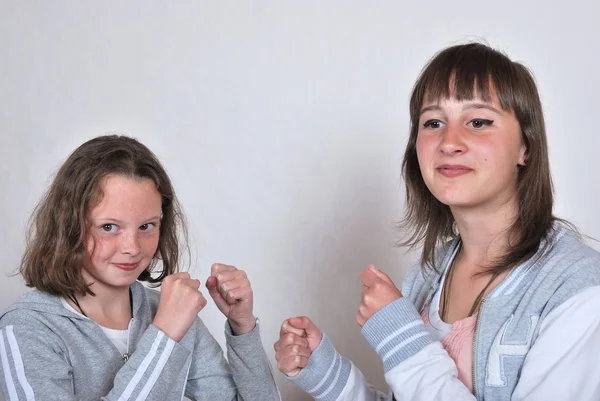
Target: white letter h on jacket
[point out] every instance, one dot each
(500, 350)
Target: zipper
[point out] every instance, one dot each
(125, 356)
(127, 353)
(474, 348)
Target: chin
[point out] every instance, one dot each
(453, 200)
(123, 284)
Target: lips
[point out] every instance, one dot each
(453, 170)
(127, 266)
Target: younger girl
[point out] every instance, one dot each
(504, 304)
(91, 330)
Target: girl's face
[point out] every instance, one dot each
(123, 232)
(469, 152)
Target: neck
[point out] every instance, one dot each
(109, 307)
(484, 232)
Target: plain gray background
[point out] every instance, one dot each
(282, 124)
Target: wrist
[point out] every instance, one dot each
(172, 334)
(243, 327)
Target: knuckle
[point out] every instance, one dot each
(199, 300)
(369, 299)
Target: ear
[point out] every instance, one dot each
(523, 156)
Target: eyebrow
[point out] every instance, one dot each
(153, 218)
(467, 106)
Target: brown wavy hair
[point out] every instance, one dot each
(58, 227)
(465, 71)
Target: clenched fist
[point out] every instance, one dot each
(231, 291)
(179, 304)
(298, 338)
(378, 290)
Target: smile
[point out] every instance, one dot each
(451, 171)
(127, 266)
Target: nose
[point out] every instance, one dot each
(130, 243)
(453, 140)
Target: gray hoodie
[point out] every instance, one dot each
(50, 353)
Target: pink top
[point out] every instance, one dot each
(458, 343)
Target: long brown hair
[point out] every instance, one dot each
(58, 227)
(476, 69)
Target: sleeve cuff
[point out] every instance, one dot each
(326, 374)
(249, 337)
(396, 332)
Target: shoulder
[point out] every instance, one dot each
(570, 261)
(580, 308)
(145, 300)
(35, 325)
(419, 275)
(152, 295)
(576, 319)
(563, 268)
(30, 304)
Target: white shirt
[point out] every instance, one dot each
(119, 338)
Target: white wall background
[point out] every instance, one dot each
(282, 124)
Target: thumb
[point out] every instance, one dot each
(302, 322)
(211, 286)
(381, 275)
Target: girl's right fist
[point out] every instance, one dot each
(180, 302)
(298, 338)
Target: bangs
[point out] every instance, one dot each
(469, 72)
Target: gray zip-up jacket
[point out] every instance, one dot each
(537, 337)
(50, 353)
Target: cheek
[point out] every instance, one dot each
(150, 244)
(420, 147)
(90, 245)
(99, 249)
(499, 163)
(425, 152)
(488, 153)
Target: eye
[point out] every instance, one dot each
(109, 228)
(147, 226)
(433, 124)
(480, 123)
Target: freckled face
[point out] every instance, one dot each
(124, 232)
